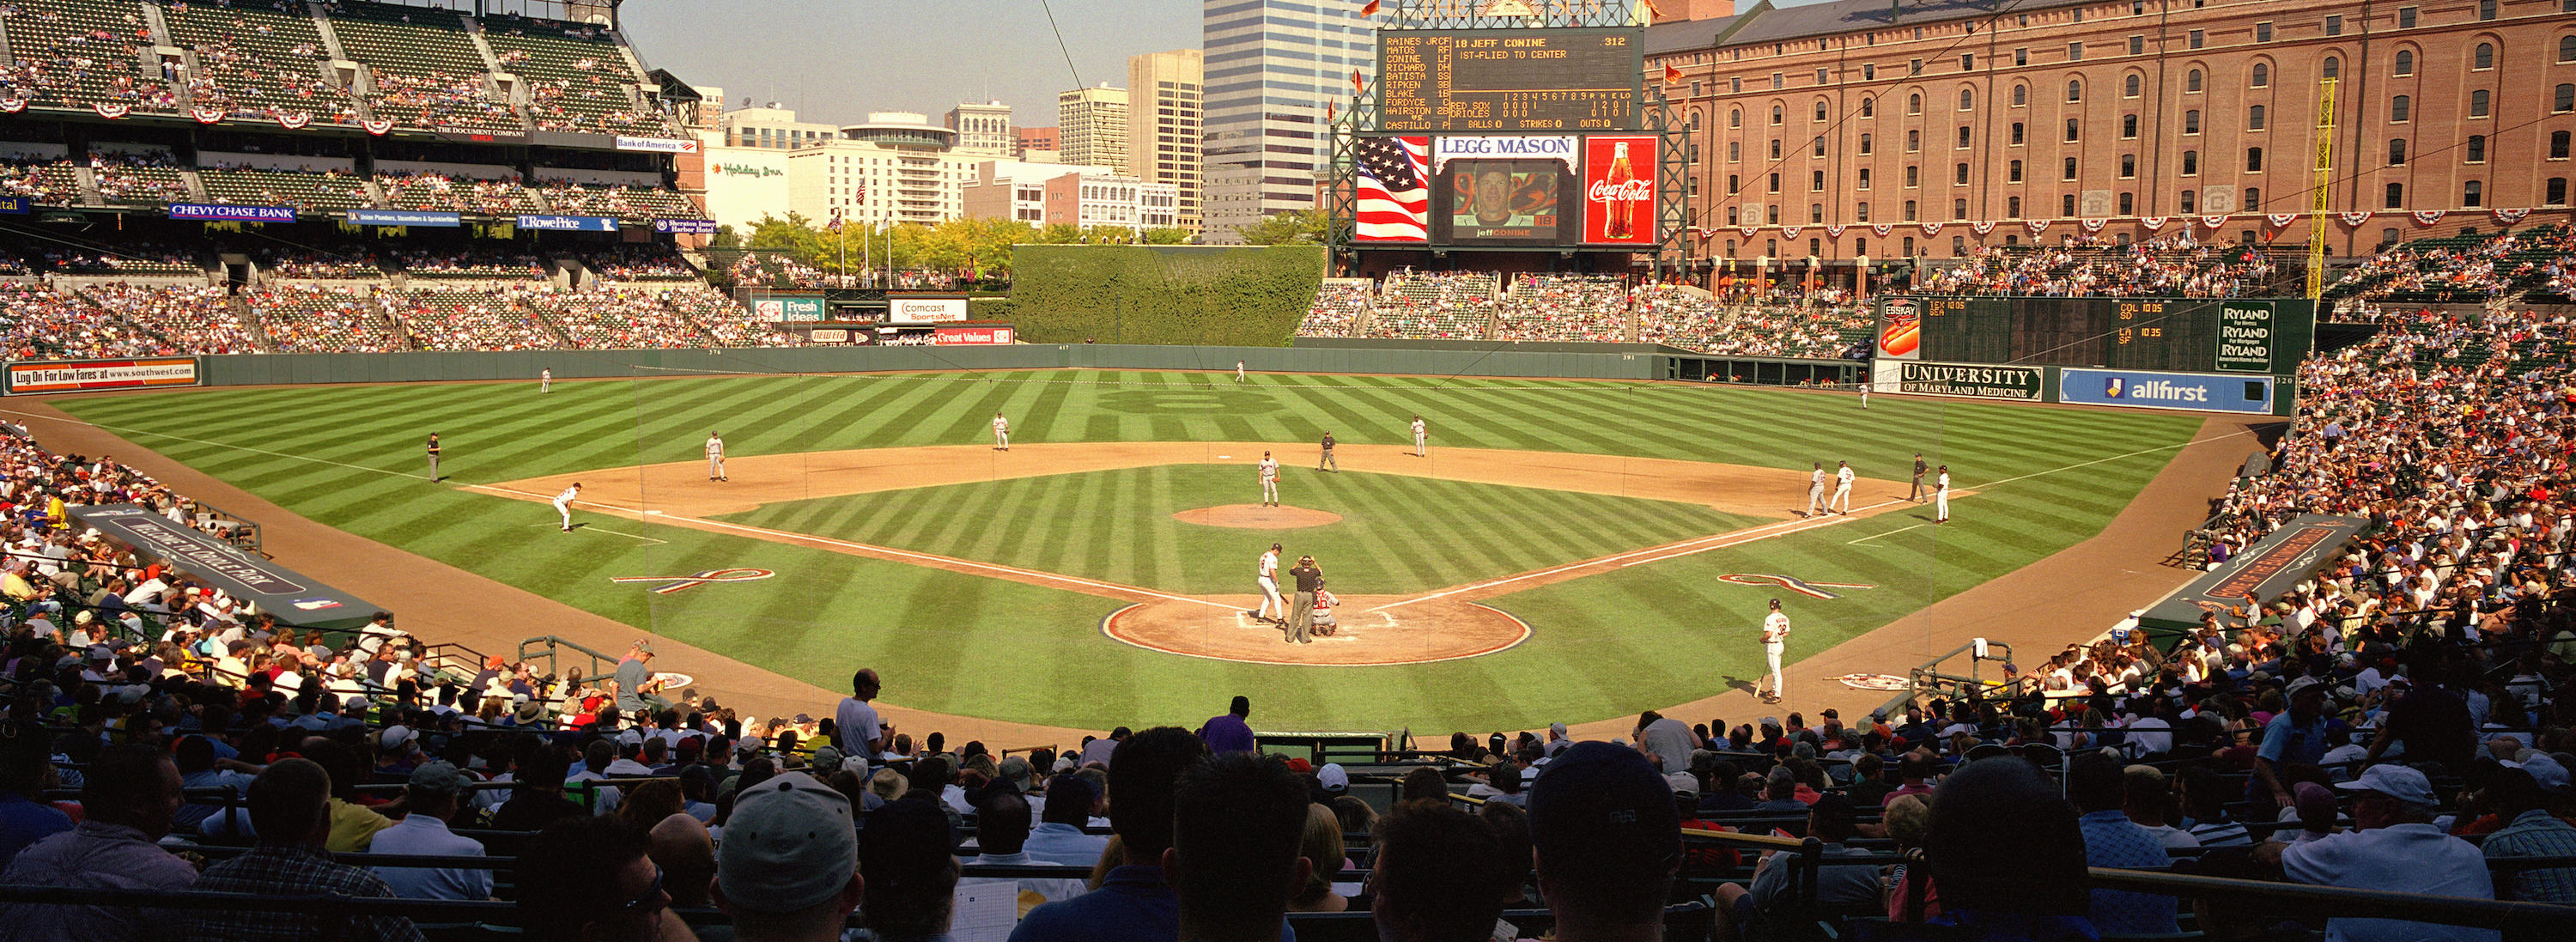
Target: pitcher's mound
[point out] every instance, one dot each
(1257, 517)
(1412, 633)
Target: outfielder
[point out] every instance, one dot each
(1775, 639)
(1269, 480)
(1421, 438)
(563, 504)
(433, 457)
(1268, 578)
(1815, 490)
(715, 458)
(1941, 497)
(1001, 433)
(546, 380)
(1916, 495)
(1238, 371)
(1842, 489)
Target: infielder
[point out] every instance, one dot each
(1916, 495)
(1001, 433)
(1268, 578)
(433, 457)
(1775, 639)
(1941, 497)
(1815, 490)
(1269, 480)
(1842, 489)
(563, 504)
(546, 380)
(715, 458)
(1238, 371)
(1421, 438)
(1327, 461)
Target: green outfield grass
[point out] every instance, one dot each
(1648, 636)
(1397, 534)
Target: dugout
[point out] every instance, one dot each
(2264, 572)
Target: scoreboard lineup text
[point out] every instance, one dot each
(2193, 335)
(1510, 81)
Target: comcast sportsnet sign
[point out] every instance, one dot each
(1619, 190)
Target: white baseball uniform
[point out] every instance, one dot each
(546, 380)
(1775, 639)
(1001, 433)
(1269, 580)
(1815, 491)
(1238, 371)
(715, 458)
(563, 505)
(1421, 439)
(1270, 481)
(1842, 490)
(1941, 499)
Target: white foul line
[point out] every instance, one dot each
(200, 441)
(1874, 536)
(610, 532)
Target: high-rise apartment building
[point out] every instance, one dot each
(1271, 66)
(982, 130)
(1091, 127)
(1034, 144)
(1163, 124)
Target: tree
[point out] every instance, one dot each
(1295, 226)
(1169, 235)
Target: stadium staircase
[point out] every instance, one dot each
(330, 37)
(88, 181)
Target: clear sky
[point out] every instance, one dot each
(836, 60)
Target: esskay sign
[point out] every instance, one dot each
(1971, 380)
(48, 376)
(2199, 392)
(2245, 337)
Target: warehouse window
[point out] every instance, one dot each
(2262, 75)
(2254, 118)
(2397, 152)
(2405, 62)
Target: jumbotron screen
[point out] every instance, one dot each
(1510, 80)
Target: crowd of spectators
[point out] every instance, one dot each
(1784, 320)
(184, 319)
(326, 319)
(619, 318)
(2165, 266)
(141, 177)
(640, 263)
(1338, 308)
(445, 193)
(82, 55)
(1435, 306)
(473, 265)
(507, 319)
(1563, 307)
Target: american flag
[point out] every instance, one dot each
(1394, 193)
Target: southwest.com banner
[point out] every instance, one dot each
(2140, 389)
(50, 376)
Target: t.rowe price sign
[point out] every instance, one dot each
(1619, 190)
(926, 310)
(972, 333)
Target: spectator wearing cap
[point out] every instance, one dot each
(127, 798)
(289, 804)
(633, 671)
(1439, 876)
(911, 879)
(1228, 731)
(2316, 813)
(788, 869)
(1058, 837)
(434, 794)
(1133, 904)
(1001, 837)
(1841, 887)
(2100, 789)
(2296, 737)
(1607, 841)
(2525, 794)
(2393, 847)
(587, 877)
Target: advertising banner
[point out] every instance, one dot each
(685, 226)
(1446, 149)
(1972, 380)
(1900, 329)
(784, 310)
(659, 145)
(13, 205)
(218, 212)
(48, 376)
(2200, 392)
(405, 217)
(2245, 337)
(568, 223)
(1619, 190)
(831, 335)
(926, 310)
(2267, 570)
(972, 334)
(294, 598)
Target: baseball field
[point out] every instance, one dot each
(1569, 550)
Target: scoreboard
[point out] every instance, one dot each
(2191, 335)
(1510, 81)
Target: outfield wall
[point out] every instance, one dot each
(297, 368)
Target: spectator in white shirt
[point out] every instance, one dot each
(433, 798)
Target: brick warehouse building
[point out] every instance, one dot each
(1843, 129)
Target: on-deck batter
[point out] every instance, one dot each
(1775, 639)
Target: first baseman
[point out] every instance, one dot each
(1815, 490)
(563, 504)
(1421, 438)
(715, 458)
(1269, 480)
(1267, 575)
(1941, 497)
(433, 456)
(1775, 639)
(1842, 489)
(1001, 433)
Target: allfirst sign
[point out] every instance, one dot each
(2199, 392)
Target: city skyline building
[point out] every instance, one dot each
(1271, 68)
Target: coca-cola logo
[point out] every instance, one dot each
(1633, 191)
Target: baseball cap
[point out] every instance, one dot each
(790, 844)
(439, 778)
(1299, 765)
(395, 737)
(1017, 771)
(2546, 770)
(2300, 686)
(1601, 805)
(2394, 781)
(828, 759)
(1333, 778)
(643, 647)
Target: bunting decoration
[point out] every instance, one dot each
(206, 115)
(12, 105)
(2153, 223)
(2511, 216)
(2091, 225)
(1749, 231)
(1791, 232)
(294, 121)
(1929, 228)
(2354, 219)
(111, 112)
(1834, 231)
(2426, 217)
(1702, 234)
(1981, 228)
(377, 127)
(1881, 229)
(2214, 221)
(2280, 220)
(2036, 226)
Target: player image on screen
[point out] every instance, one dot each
(1506, 201)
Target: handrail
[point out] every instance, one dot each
(2345, 902)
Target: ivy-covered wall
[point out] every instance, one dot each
(1248, 296)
